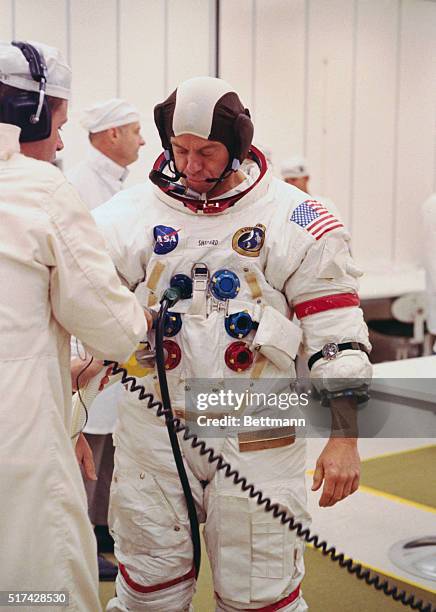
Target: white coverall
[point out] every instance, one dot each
(255, 560)
(429, 259)
(56, 280)
(97, 178)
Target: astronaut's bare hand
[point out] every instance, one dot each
(338, 467)
(85, 458)
(81, 376)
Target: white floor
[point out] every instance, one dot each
(370, 447)
(365, 525)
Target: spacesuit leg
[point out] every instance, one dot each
(298, 605)
(148, 520)
(129, 600)
(256, 561)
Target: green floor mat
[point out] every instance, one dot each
(106, 591)
(329, 588)
(411, 475)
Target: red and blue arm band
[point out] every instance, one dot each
(326, 302)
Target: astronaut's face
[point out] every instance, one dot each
(200, 159)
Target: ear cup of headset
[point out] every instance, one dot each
(243, 130)
(19, 109)
(163, 118)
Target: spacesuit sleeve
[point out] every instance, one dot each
(120, 221)
(86, 295)
(323, 291)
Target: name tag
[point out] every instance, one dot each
(202, 242)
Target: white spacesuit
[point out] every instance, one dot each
(268, 249)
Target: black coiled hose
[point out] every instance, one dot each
(176, 426)
(172, 433)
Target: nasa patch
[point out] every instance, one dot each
(166, 239)
(249, 240)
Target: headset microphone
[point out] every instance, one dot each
(163, 180)
(168, 183)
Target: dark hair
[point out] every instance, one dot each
(7, 90)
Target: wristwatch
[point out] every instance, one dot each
(331, 350)
(359, 394)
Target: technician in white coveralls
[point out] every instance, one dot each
(295, 171)
(428, 212)
(268, 249)
(56, 279)
(114, 131)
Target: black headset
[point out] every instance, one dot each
(29, 110)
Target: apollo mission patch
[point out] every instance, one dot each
(248, 241)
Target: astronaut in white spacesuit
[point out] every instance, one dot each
(268, 249)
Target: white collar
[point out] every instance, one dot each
(246, 182)
(107, 165)
(9, 140)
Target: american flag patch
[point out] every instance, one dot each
(315, 218)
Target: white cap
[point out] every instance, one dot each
(108, 114)
(14, 69)
(294, 167)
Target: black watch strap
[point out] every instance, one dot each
(331, 350)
